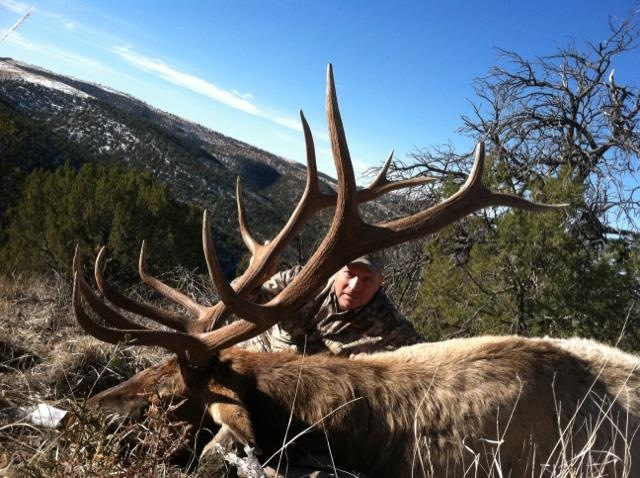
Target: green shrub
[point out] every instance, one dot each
(97, 206)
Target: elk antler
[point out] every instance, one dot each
(348, 238)
(264, 257)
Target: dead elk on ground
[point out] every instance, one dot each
(505, 405)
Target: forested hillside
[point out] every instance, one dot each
(48, 121)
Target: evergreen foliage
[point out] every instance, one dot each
(530, 274)
(24, 146)
(95, 206)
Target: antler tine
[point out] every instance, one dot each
(80, 284)
(164, 317)
(103, 310)
(312, 199)
(226, 293)
(472, 196)
(105, 334)
(503, 199)
(312, 182)
(245, 230)
(381, 178)
(515, 202)
(477, 169)
(381, 184)
(185, 345)
(264, 256)
(169, 292)
(347, 202)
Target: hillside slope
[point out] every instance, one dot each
(48, 119)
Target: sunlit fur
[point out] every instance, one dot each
(429, 408)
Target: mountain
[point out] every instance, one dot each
(47, 119)
(51, 115)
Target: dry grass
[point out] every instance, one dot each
(46, 357)
(89, 448)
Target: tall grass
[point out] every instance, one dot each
(45, 357)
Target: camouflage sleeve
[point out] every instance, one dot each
(275, 285)
(264, 293)
(387, 328)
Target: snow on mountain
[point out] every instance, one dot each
(13, 70)
(198, 164)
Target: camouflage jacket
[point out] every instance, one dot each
(321, 327)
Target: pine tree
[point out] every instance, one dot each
(98, 206)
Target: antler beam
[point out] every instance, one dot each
(348, 237)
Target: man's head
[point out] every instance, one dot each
(357, 282)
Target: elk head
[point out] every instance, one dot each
(203, 350)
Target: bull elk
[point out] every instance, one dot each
(436, 409)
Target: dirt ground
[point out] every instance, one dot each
(46, 358)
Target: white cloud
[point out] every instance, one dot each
(246, 96)
(15, 7)
(228, 97)
(193, 83)
(78, 61)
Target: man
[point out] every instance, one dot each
(351, 315)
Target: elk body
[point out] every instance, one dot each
(520, 406)
(433, 409)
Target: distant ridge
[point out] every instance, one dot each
(199, 165)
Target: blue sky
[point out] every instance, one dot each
(404, 70)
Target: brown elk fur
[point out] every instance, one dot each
(431, 409)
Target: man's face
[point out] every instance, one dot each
(355, 285)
